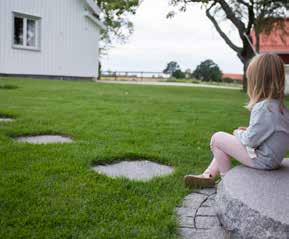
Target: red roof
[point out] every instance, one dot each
(276, 42)
(233, 76)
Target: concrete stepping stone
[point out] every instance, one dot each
(134, 170)
(44, 139)
(197, 218)
(4, 119)
(253, 203)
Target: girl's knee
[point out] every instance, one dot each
(216, 139)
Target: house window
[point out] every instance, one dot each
(26, 32)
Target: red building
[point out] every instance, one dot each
(237, 78)
(276, 42)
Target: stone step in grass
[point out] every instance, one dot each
(6, 119)
(44, 139)
(139, 170)
(253, 203)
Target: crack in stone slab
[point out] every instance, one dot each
(196, 213)
(195, 216)
(205, 216)
(199, 206)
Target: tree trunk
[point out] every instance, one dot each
(246, 55)
(245, 80)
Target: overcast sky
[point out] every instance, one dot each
(188, 38)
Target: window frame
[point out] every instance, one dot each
(25, 18)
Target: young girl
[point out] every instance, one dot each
(264, 144)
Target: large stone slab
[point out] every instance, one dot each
(142, 170)
(253, 203)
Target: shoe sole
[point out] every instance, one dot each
(196, 182)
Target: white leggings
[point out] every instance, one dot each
(224, 146)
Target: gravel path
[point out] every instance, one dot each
(167, 84)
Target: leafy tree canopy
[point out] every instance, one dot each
(116, 16)
(208, 70)
(178, 74)
(171, 68)
(246, 16)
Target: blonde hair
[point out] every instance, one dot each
(266, 79)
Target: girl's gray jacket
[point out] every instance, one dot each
(267, 134)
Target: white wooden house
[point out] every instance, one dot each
(50, 38)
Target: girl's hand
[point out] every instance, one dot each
(242, 128)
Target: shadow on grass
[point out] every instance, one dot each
(7, 115)
(128, 157)
(8, 87)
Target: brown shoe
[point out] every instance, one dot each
(199, 181)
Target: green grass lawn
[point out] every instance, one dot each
(50, 191)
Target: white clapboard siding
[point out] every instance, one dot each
(69, 40)
(287, 80)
